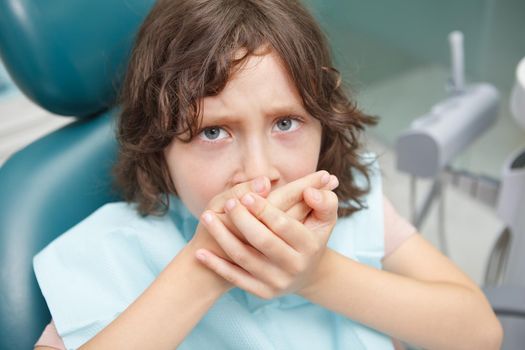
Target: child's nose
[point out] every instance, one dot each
(257, 164)
(260, 161)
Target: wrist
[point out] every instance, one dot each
(202, 275)
(186, 272)
(319, 275)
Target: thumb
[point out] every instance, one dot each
(324, 205)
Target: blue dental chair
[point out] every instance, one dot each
(69, 57)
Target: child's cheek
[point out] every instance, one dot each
(211, 178)
(302, 149)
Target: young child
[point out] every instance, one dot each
(254, 218)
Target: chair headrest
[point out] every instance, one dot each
(69, 56)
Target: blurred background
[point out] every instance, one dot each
(395, 57)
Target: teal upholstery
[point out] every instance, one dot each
(45, 189)
(68, 57)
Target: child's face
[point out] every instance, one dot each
(247, 131)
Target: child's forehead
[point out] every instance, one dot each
(244, 61)
(263, 49)
(218, 113)
(262, 81)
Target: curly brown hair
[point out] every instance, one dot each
(186, 50)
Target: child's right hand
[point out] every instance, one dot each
(288, 198)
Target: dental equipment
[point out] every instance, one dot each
(433, 140)
(504, 277)
(510, 266)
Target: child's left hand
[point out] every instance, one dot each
(284, 252)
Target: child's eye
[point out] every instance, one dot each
(286, 124)
(211, 133)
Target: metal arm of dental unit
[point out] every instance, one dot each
(433, 140)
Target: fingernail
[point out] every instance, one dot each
(334, 182)
(325, 179)
(259, 185)
(200, 255)
(247, 199)
(207, 217)
(230, 204)
(315, 194)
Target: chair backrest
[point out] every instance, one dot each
(69, 57)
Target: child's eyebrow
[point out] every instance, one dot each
(220, 117)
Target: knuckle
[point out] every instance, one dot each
(273, 196)
(280, 223)
(298, 212)
(260, 208)
(284, 197)
(279, 285)
(322, 173)
(297, 267)
(274, 293)
(267, 294)
(294, 268)
(310, 247)
(239, 257)
(239, 190)
(332, 196)
(332, 199)
(215, 203)
(289, 200)
(227, 275)
(264, 244)
(318, 245)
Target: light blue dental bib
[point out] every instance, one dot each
(91, 273)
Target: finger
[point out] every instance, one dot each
(301, 210)
(266, 241)
(260, 185)
(333, 184)
(324, 206)
(225, 219)
(244, 256)
(290, 194)
(278, 223)
(234, 274)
